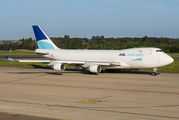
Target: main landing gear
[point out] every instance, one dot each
(154, 73)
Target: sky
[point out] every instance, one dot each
(87, 18)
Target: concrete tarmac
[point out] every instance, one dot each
(76, 95)
(12, 116)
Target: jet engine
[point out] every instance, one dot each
(60, 67)
(94, 69)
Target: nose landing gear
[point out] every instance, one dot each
(154, 73)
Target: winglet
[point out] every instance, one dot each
(9, 59)
(43, 41)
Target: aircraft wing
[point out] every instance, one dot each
(69, 62)
(84, 63)
(88, 63)
(23, 60)
(43, 61)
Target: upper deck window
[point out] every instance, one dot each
(159, 51)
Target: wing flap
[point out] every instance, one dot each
(115, 64)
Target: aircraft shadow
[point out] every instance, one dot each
(52, 73)
(114, 72)
(130, 72)
(38, 66)
(81, 71)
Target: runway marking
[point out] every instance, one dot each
(142, 107)
(94, 109)
(20, 102)
(28, 115)
(24, 78)
(3, 100)
(102, 97)
(142, 114)
(94, 100)
(90, 101)
(109, 89)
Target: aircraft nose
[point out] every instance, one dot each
(166, 59)
(170, 60)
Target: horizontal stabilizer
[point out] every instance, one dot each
(9, 59)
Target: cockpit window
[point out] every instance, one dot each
(159, 51)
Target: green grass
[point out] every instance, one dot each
(16, 53)
(173, 54)
(21, 64)
(174, 67)
(30, 53)
(26, 64)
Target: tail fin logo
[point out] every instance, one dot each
(39, 34)
(138, 59)
(9, 59)
(43, 41)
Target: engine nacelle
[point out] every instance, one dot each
(60, 67)
(94, 69)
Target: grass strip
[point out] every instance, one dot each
(173, 54)
(30, 53)
(6, 53)
(21, 64)
(174, 67)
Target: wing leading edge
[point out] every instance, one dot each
(69, 62)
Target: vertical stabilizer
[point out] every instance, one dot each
(43, 41)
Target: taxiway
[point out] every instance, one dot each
(76, 95)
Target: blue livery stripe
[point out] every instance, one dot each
(44, 45)
(138, 59)
(38, 33)
(8, 58)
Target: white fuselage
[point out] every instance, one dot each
(134, 58)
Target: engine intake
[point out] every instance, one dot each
(94, 69)
(60, 67)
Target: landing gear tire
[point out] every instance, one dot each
(154, 73)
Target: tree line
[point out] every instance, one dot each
(169, 45)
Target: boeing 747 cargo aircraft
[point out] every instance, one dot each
(96, 60)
